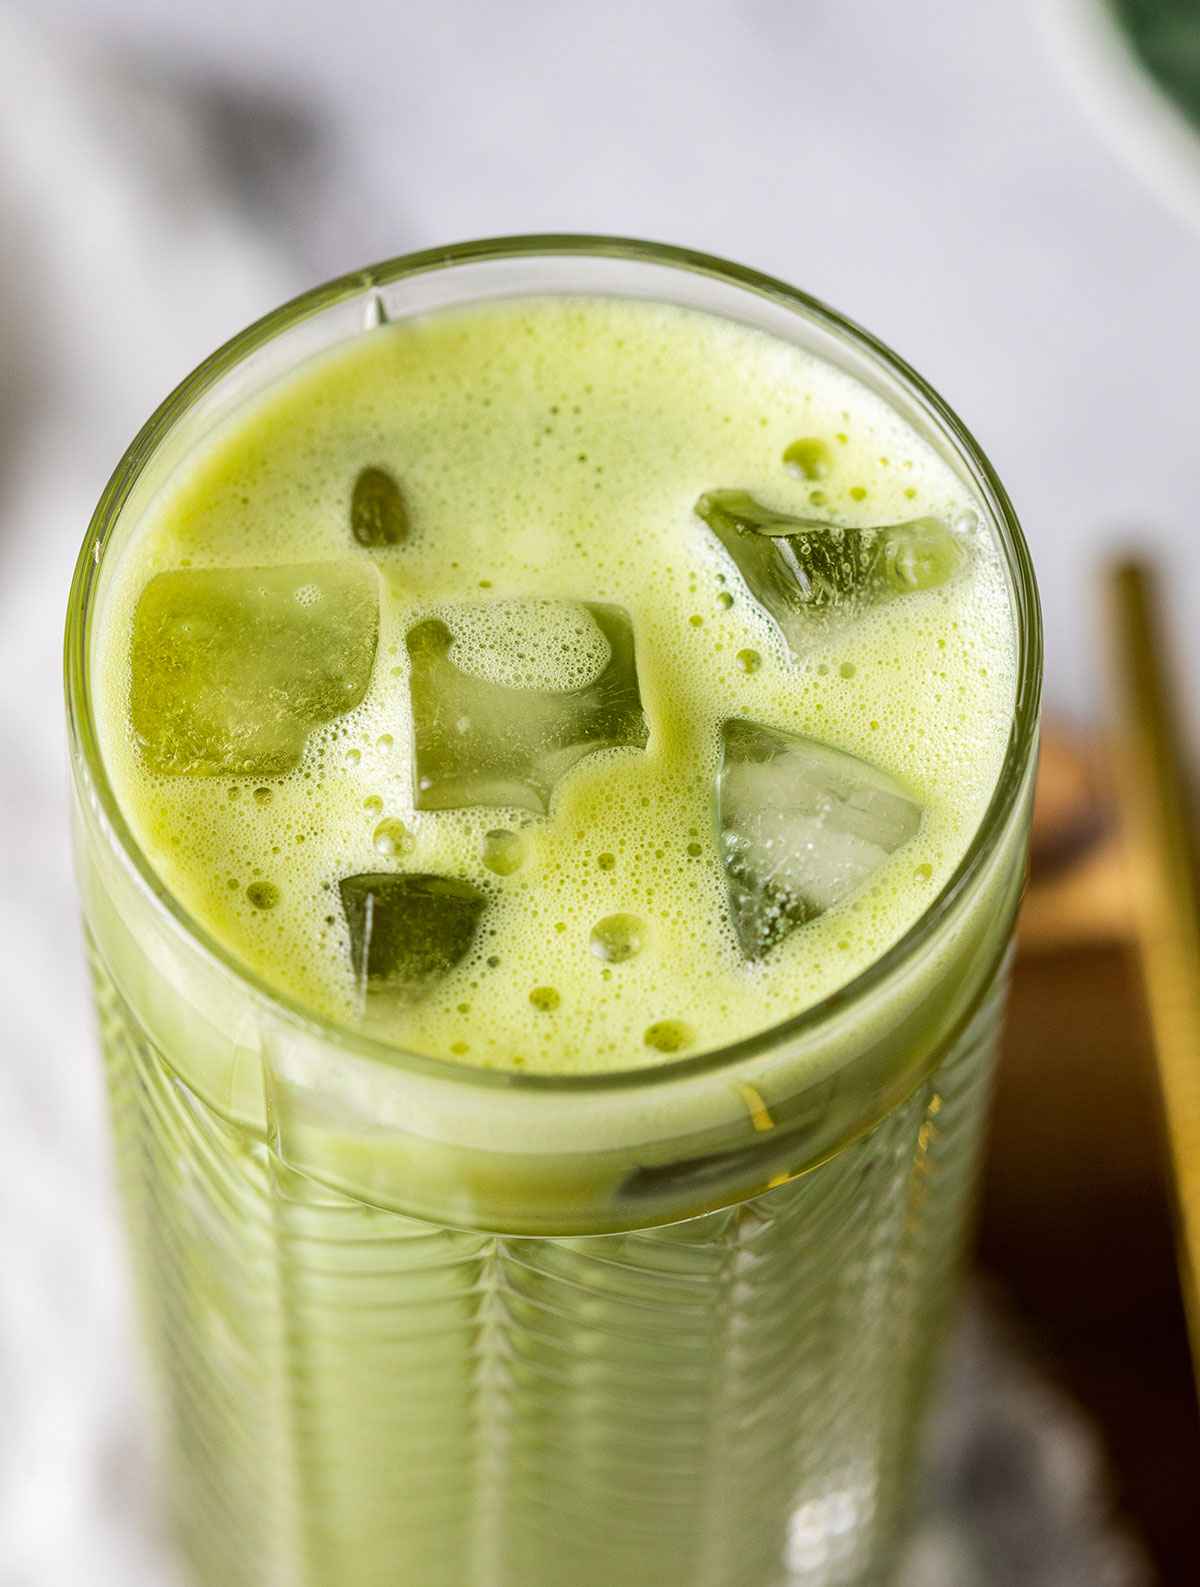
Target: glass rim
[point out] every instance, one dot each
(85, 744)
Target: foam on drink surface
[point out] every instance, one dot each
(550, 455)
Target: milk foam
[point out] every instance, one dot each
(552, 450)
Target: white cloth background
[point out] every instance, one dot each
(123, 260)
(918, 165)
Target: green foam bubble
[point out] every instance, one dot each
(665, 404)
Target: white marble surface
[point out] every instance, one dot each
(919, 165)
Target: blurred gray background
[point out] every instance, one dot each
(169, 172)
(922, 166)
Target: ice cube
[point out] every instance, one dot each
(802, 826)
(407, 931)
(233, 668)
(794, 566)
(378, 515)
(478, 742)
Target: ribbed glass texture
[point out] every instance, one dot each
(354, 1397)
(357, 1397)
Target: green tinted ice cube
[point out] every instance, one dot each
(802, 826)
(378, 514)
(476, 742)
(795, 566)
(408, 931)
(233, 668)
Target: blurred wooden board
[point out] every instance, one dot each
(1075, 1218)
(1077, 894)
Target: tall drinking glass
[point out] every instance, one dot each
(420, 1323)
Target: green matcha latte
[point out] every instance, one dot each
(554, 731)
(545, 456)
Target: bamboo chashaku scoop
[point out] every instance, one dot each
(1156, 817)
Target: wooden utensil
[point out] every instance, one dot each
(1156, 815)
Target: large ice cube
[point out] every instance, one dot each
(233, 668)
(478, 742)
(801, 827)
(407, 931)
(795, 566)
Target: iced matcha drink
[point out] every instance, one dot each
(553, 737)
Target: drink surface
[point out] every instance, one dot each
(500, 682)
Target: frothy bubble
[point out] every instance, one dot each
(392, 838)
(505, 535)
(618, 937)
(503, 851)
